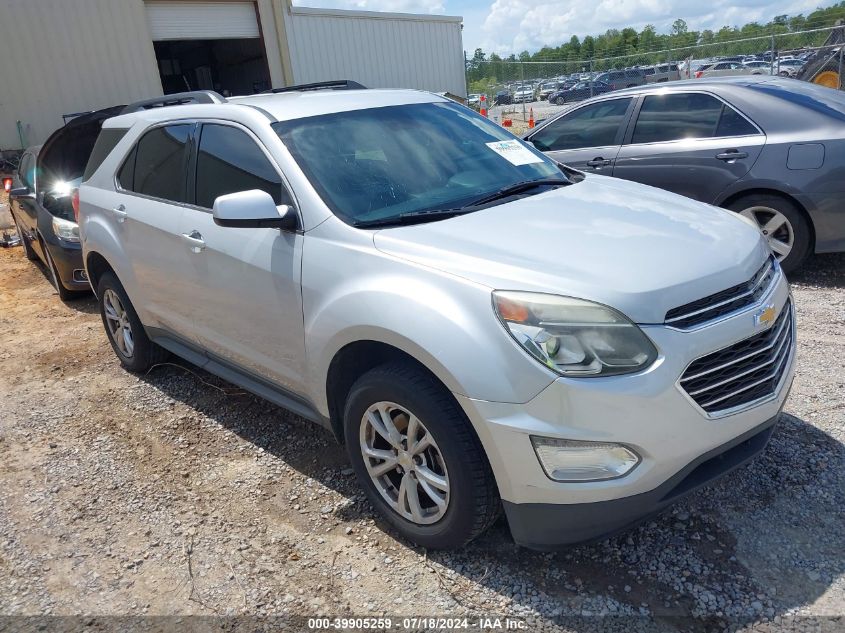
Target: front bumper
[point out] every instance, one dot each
(68, 260)
(546, 526)
(648, 412)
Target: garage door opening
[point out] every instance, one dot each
(228, 66)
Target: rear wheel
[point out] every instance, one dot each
(126, 334)
(782, 223)
(417, 457)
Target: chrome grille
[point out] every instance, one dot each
(724, 302)
(743, 373)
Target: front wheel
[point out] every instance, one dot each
(417, 457)
(28, 251)
(125, 332)
(782, 223)
(55, 277)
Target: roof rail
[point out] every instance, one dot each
(337, 84)
(180, 98)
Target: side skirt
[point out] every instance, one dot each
(236, 375)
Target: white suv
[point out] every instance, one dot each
(482, 327)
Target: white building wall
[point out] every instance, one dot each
(379, 50)
(63, 56)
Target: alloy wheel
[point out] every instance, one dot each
(117, 321)
(404, 463)
(775, 227)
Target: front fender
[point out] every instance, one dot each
(445, 322)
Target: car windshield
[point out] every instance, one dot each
(378, 164)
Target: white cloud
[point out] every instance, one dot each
(395, 6)
(516, 25)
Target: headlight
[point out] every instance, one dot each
(66, 230)
(572, 336)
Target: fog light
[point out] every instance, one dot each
(573, 460)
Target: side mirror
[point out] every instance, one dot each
(21, 192)
(253, 209)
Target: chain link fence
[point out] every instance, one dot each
(516, 90)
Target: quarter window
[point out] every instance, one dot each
(594, 125)
(156, 167)
(230, 161)
(672, 117)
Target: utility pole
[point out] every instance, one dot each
(772, 71)
(591, 76)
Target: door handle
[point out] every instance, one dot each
(120, 213)
(731, 155)
(195, 241)
(598, 162)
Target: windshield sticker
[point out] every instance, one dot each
(514, 152)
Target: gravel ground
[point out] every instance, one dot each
(176, 494)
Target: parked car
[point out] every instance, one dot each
(662, 73)
(788, 67)
(433, 290)
(765, 147)
(474, 100)
(579, 91)
(523, 94)
(728, 69)
(42, 200)
(759, 63)
(503, 97)
(546, 89)
(618, 79)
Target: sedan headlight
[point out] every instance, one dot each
(66, 230)
(574, 337)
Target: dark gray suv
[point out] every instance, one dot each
(769, 148)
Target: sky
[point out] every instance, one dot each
(511, 26)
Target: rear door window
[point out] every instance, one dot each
(673, 117)
(160, 161)
(594, 125)
(228, 161)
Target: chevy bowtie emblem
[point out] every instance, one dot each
(766, 316)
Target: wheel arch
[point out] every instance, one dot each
(769, 191)
(96, 265)
(355, 359)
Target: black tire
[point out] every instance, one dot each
(53, 271)
(145, 353)
(474, 502)
(799, 225)
(28, 251)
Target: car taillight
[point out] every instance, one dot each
(7, 184)
(698, 74)
(74, 200)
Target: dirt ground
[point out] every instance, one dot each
(176, 494)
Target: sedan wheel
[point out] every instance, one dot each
(404, 463)
(117, 321)
(776, 228)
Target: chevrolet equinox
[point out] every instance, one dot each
(483, 328)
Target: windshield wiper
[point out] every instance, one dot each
(518, 187)
(413, 217)
(416, 217)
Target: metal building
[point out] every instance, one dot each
(59, 57)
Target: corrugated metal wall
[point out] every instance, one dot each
(379, 50)
(62, 56)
